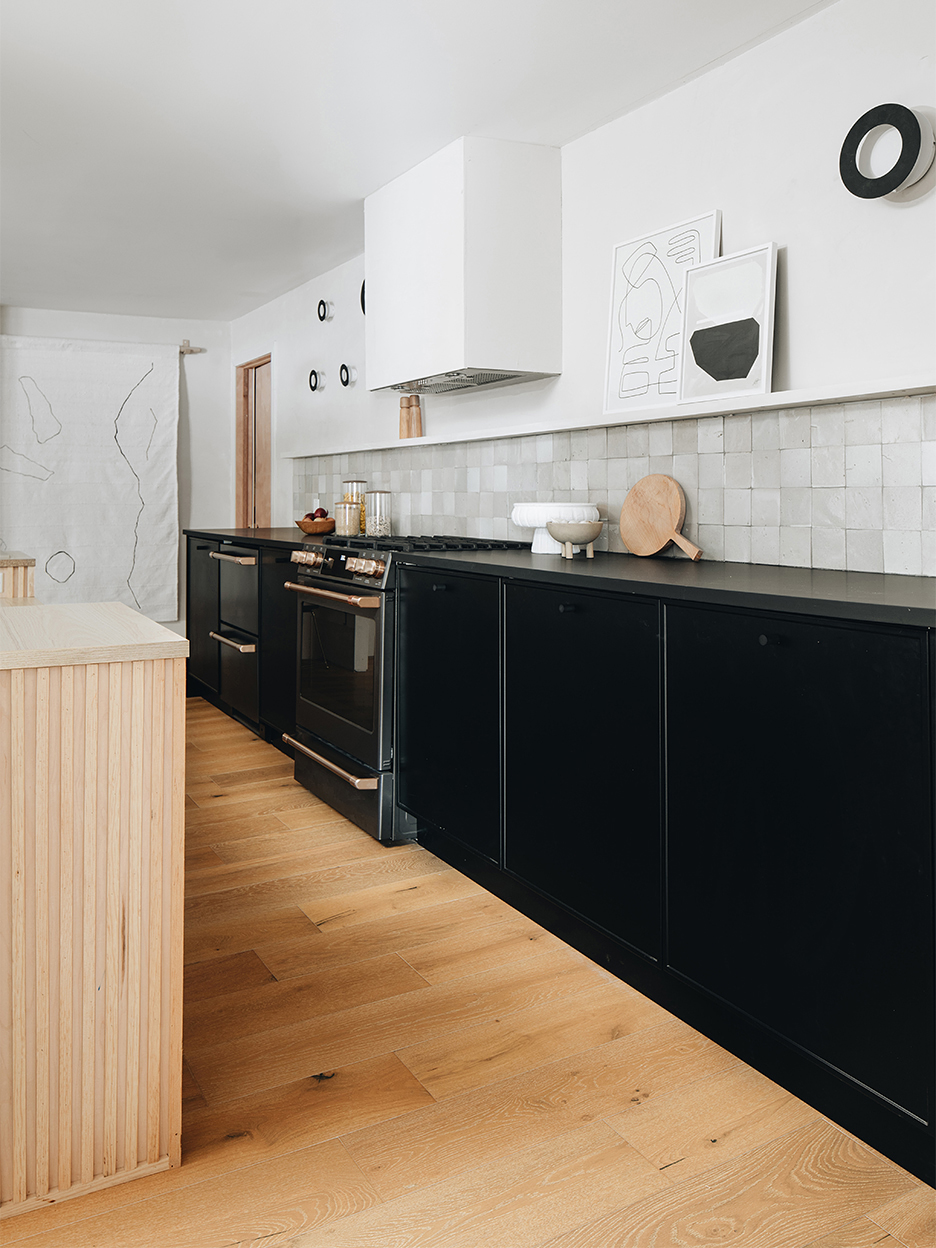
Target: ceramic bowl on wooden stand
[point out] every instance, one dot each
(538, 515)
(573, 534)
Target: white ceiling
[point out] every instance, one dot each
(196, 158)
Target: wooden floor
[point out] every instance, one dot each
(380, 1053)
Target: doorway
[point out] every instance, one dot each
(252, 490)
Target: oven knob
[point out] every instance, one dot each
(311, 558)
(374, 567)
(354, 565)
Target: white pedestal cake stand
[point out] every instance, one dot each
(537, 516)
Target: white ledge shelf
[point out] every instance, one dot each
(778, 400)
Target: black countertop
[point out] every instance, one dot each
(881, 597)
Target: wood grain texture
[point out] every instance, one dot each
(814, 1179)
(730, 1113)
(208, 937)
(910, 1218)
(862, 1233)
(238, 972)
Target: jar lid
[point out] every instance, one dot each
(378, 491)
(354, 481)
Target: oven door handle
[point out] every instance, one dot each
(247, 561)
(351, 599)
(356, 782)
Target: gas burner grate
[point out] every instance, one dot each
(415, 542)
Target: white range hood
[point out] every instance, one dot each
(462, 261)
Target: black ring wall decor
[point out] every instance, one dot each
(344, 375)
(363, 306)
(322, 310)
(908, 126)
(313, 380)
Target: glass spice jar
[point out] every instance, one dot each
(377, 518)
(347, 519)
(354, 493)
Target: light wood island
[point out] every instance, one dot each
(92, 743)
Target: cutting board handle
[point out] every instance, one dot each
(689, 547)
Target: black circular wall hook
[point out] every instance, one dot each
(363, 305)
(344, 375)
(915, 139)
(324, 310)
(314, 380)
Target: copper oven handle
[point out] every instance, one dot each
(351, 599)
(356, 782)
(235, 645)
(248, 561)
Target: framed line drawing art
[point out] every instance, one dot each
(646, 312)
(728, 324)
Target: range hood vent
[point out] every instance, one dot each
(464, 379)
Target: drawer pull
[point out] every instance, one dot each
(353, 600)
(249, 648)
(770, 639)
(246, 561)
(566, 606)
(356, 782)
(438, 588)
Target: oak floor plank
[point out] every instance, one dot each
(778, 1195)
(729, 1113)
(192, 1097)
(274, 1004)
(468, 952)
(253, 1128)
(393, 899)
(300, 818)
(200, 856)
(516, 1202)
(220, 876)
(395, 932)
(209, 795)
(861, 1233)
(223, 976)
(269, 1058)
(311, 887)
(235, 933)
(504, 1046)
(234, 829)
(281, 801)
(286, 841)
(911, 1218)
(272, 1200)
(251, 775)
(434, 1143)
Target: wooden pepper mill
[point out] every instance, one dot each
(410, 416)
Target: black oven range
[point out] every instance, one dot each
(343, 743)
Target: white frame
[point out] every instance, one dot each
(695, 385)
(708, 225)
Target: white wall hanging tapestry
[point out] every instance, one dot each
(646, 312)
(728, 325)
(88, 479)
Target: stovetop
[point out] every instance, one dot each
(412, 543)
(369, 560)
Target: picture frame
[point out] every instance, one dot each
(728, 326)
(645, 318)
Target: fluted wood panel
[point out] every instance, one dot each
(17, 582)
(91, 806)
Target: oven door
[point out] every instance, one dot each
(345, 669)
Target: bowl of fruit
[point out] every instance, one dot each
(317, 521)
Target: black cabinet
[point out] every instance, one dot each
(202, 611)
(277, 642)
(448, 736)
(799, 842)
(582, 814)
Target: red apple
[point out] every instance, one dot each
(320, 513)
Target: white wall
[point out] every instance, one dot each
(206, 402)
(759, 138)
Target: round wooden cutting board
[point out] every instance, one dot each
(653, 514)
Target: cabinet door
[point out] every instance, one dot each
(239, 685)
(582, 751)
(448, 740)
(239, 588)
(201, 612)
(799, 844)
(278, 613)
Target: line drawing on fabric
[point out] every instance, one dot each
(13, 461)
(64, 563)
(136, 526)
(153, 434)
(41, 417)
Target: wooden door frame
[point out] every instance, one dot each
(252, 485)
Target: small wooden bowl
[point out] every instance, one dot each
(316, 526)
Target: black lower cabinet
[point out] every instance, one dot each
(277, 644)
(239, 680)
(448, 710)
(582, 813)
(202, 612)
(799, 841)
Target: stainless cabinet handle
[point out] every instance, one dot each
(356, 782)
(247, 561)
(235, 645)
(351, 599)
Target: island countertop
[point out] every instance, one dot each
(37, 635)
